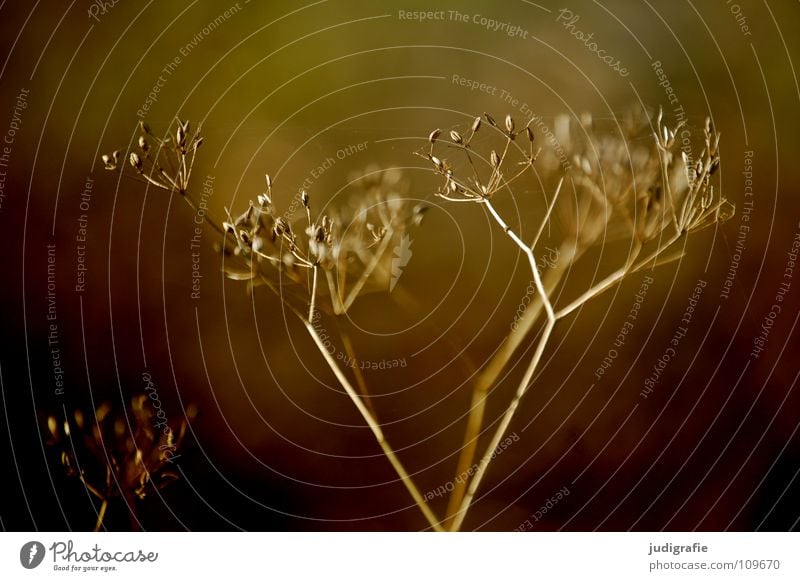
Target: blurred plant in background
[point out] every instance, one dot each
(119, 456)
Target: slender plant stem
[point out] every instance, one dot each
(491, 373)
(537, 279)
(376, 430)
(313, 293)
(617, 276)
(502, 427)
(488, 377)
(101, 515)
(360, 382)
(524, 385)
(469, 447)
(387, 237)
(551, 319)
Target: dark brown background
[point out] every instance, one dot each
(277, 446)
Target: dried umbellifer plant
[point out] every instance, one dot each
(652, 197)
(118, 456)
(328, 260)
(647, 192)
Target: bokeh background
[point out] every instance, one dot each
(282, 86)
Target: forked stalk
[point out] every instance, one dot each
(376, 430)
(460, 515)
(567, 252)
(502, 428)
(630, 266)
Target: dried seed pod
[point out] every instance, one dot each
(509, 124)
(419, 212)
(144, 127)
(476, 124)
(434, 135)
(264, 200)
(143, 145)
(136, 161)
(304, 198)
(456, 137)
(529, 132)
(269, 180)
(495, 159)
(490, 119)
(437, 162)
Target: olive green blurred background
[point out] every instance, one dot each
(280, 87)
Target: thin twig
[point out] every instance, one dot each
(551, 319)
(522, 388)
(387, 237)
(376, 430)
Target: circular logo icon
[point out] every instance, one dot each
(31, 554)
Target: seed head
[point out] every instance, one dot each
(456, 137)
(434, 135)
